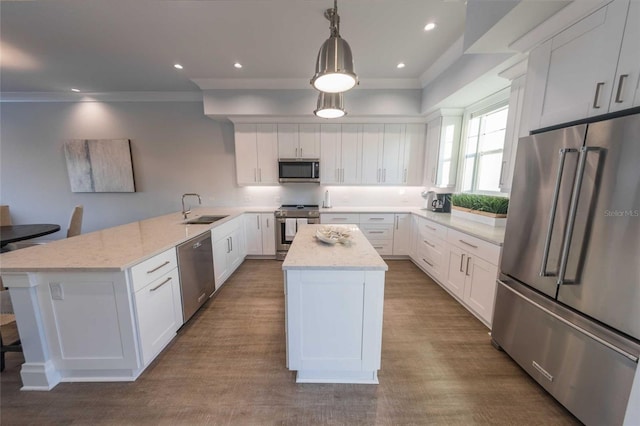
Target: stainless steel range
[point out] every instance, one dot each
(288, 218)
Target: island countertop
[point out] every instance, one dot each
(307, 252)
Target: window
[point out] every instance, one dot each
(484, 145)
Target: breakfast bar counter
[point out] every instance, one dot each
(334, 299)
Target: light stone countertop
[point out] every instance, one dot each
(308, 253)
(491, 234)
(116, 248)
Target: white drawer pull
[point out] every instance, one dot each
(376, 218)
(431, 227)
(469, 244)
(427, 262)
(158, 267)
(429, 244)
(378, 247)
(161, 284)
(375, 232)
(339, 218)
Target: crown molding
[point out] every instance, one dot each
(101, 97)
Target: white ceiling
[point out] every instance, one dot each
(112, 46)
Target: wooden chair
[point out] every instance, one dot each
(75, 223)
(7, 317)
(5, 216)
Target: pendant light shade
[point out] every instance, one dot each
(334, 65)
(330, 105)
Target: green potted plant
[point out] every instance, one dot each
(488, 209)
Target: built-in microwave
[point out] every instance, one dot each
(298, 170)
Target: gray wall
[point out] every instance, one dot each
(175, 149)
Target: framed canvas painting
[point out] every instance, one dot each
(99, 165)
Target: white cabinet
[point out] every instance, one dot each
(414, 147)
(402, 234)
(260, 234)
(228, 249)
(158, 302)
(472, 273)
(340, 218)
(581, 71)
(442, 147)
(392, 154)
(430, 250)
(341, 147)
(372, 153)
(256, 154)
(159, 312)
(297, 141)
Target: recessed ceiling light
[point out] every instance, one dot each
(429, 26)
(75, 90)
(178, 66)
(237, 65)
(401, 65)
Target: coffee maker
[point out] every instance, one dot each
(441, 203)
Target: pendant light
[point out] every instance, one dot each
(334, 66)
(330, 105)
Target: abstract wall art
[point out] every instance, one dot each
(99, 165)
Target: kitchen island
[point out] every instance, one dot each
(334, 297)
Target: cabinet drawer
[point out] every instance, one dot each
(475, 246)
(383, 247)
(377, 232)
(430, 266)
(431, 250)
(427, 227)
(152, 269)
(340, 218)
(377, 218)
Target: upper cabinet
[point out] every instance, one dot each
(442, 146)
(298, 141)
(256, 154)
(513, 133)
(341, 149)
(589, 69)
(393, 154)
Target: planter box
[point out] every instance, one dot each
(491, 219)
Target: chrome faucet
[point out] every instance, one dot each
(184, 211)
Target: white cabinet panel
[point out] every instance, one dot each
(350, 153)
(253, 233)
(392, 154)
(627, 80)
(402, 234)
(309, 141)
(442, 147)
(372, 153)
(267, 148)
(480, 287)
(456, 271)
(268, 234)
(256, 154)
(414, 146)
(288, 140)
(228, 249)
(331, 164)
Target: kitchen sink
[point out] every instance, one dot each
(203, 220)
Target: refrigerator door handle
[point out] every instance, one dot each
(552, 213)
(573, 210)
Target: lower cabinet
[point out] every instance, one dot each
(228, 249)
(159, 311)
(466, 266)
(402, 234)
(260, 234)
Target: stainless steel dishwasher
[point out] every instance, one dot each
(195, 265)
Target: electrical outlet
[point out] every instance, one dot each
(56, 291)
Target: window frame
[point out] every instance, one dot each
(487, 105)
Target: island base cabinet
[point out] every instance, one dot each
(334, 325)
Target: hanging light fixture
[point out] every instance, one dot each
(330, 105)
(334, 66)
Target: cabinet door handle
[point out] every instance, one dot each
(267, 222)
(461, 261)
(430, 227)
(231, 240)
(468, 244)
(404, 179)
(467, 270)
(260, 173)
(376, 218)
(228, 246)
(300, 152)
(427, 262)
(433, 246)
(396, 218)
(160, 285)
(376, 232)
(296, 153)
(158, 267)
(619, 92)
(258, 220)
(384, 175)
(597, 96)
(342, 175)
(255, 175)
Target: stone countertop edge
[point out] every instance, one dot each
(308, 253)
(114, 249)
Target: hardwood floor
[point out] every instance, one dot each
(227, 366)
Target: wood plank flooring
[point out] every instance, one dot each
(227, 366)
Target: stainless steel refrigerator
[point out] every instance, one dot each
(568, 299)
